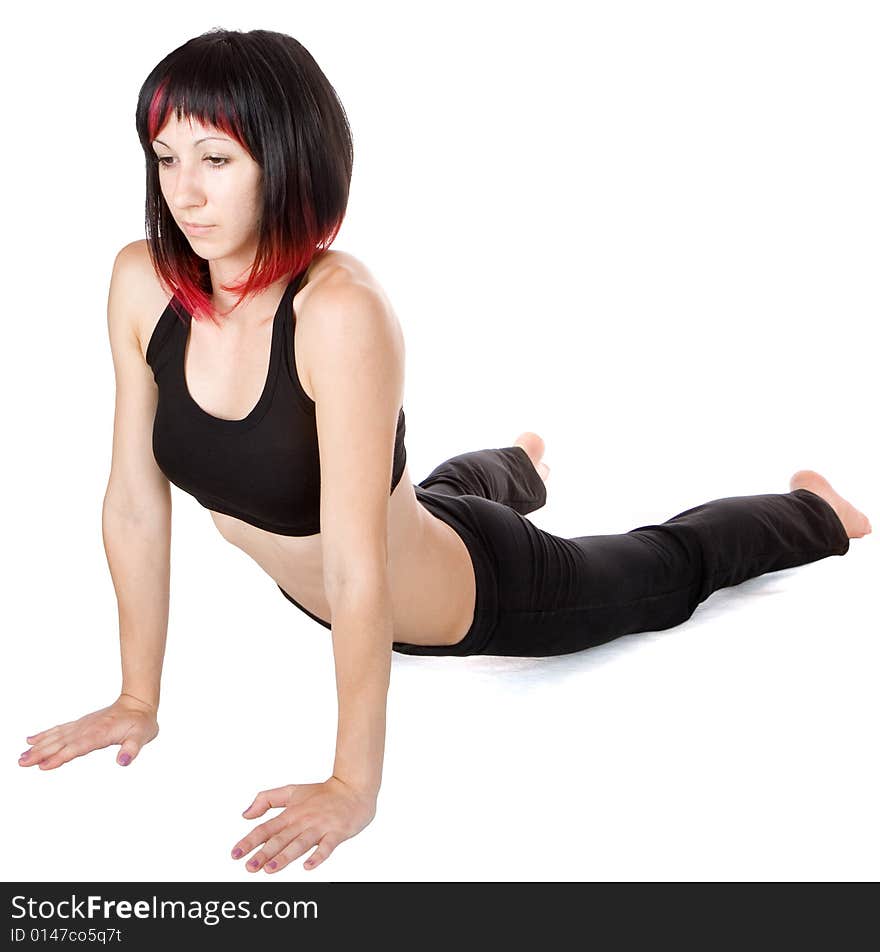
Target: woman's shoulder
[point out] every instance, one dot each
(339, 278)
(340, 288)
(137, 286)
(146, 297)
(334, 271)
(339, 281)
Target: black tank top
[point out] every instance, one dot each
(263, 469)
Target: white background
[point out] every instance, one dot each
(646, 231)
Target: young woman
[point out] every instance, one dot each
(263, 374)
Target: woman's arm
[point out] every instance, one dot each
(136, 525)
(138, 555)
(362, 634)
(136, 517)
(356, 374)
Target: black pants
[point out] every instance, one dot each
(538, 594)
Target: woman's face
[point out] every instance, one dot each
(212, 182)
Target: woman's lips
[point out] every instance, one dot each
(195, 229)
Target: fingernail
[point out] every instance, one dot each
(236, 853)
(273, 864)
(254, 862)
(125, 759)
(23, 755)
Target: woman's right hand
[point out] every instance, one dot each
(128, 721)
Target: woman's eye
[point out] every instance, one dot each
(215, 161)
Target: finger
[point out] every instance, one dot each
(43, 735)
(39, 753)
(70, 751)
(129, 749)
(301, 845)
(65, 754)
(303, 833)
(301, 792)
(265, 799)
(258, 836)
(277, 855)
(325, 848)
(257, 862)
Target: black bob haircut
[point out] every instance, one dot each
(263, 89)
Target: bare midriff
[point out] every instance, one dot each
(430, 570)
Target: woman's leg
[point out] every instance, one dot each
(539, 594)
(505, 475)
(558, 595)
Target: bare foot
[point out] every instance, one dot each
(855, 522)
(534, 446)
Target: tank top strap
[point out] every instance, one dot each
(287, 316)
(293, 285)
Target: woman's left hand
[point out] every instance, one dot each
(322, 814)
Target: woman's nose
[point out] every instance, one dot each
(187, 191)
